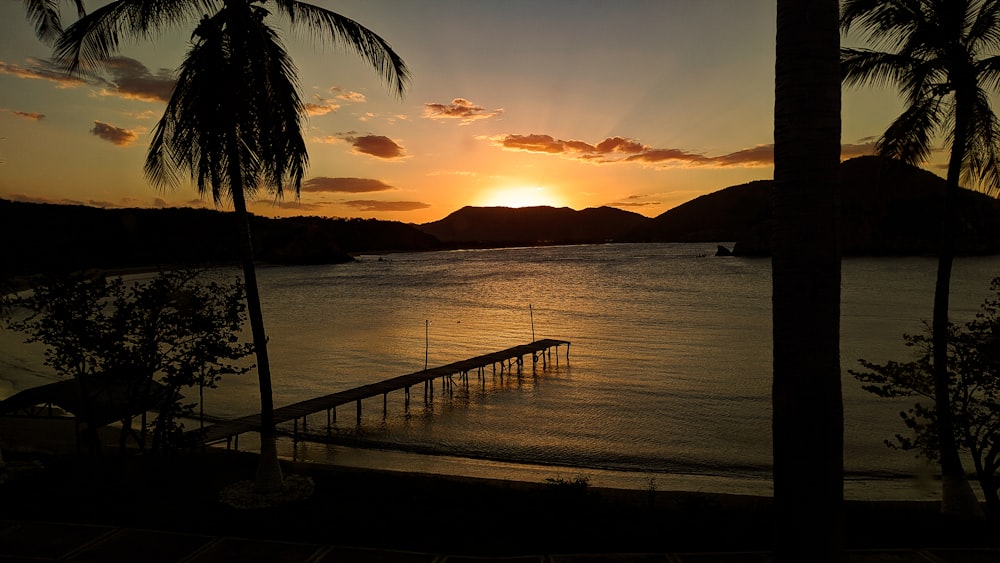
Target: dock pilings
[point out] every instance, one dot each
(508, 360)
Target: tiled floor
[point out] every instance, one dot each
(79, 543)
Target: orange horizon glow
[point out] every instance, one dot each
(527, 195)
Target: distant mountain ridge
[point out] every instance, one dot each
(887, 208)
(478, 226)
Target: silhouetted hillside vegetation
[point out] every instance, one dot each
(887, 208)
(500, 226)
(51, 238)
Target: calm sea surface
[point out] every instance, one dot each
(667, 383)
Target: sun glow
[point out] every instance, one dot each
(521, 196)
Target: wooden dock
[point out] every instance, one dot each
(508, 361)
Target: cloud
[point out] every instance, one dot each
(39, 69)
(30, 115)
(620, 149)
(372, 205)
(536, 143)
(378, 146)
(347, 95)
(373, 145)
(460, 109)
(866, 147)
(321, 106)
(130, 79)
(345, 185)
(114, 135)
(120, 76)
(634, 201)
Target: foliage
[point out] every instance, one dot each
(233, 121)
(47, 18)
(974, 387)
(943, 58)
(176, 330)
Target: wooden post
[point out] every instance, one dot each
(359, 411)
(531, 314)
(385, 405)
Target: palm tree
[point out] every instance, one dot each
(807, 423)
(233, 121)
(47, 17)
(938, 53)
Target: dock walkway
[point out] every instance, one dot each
(508, 360)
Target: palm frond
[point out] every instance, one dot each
(909, 137)
(988, 73)
(341, 30)
(863, 67)
(45, 16)
(886, 23)
(984, 32)
(234, 119)
(981, 166)
(97, 36)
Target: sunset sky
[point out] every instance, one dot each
(636, 104)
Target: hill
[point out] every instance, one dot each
(506, 226)
(50, 238)
(887, 208)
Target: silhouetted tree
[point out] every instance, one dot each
(127, 345)
(939, 54)
(807, 406)
(974, 368)
(234, 119)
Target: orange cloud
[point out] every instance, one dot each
(131, 80)
(347, 95)
(126, 78)
(540, 143)
(344, 185)
(33, 116)
(41, 70)
(378, 146)
(372, 205)
(619, 144)
(115, 135)
(460, 109)
(321, 106)
(634, 201)
(620, 149)
(851, 151)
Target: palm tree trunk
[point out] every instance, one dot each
(269, 476)
(957, 497)
(807, 422)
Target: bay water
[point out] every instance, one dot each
(667, 383)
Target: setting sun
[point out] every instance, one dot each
(521, 196)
